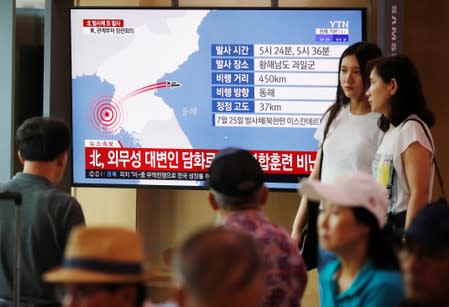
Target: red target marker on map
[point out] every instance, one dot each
(108, 114)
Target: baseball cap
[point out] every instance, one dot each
(430, 227)
(357, 189)
(235, 172)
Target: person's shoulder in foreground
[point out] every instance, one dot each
(424, 257)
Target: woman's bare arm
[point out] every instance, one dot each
(301, 214)
(417, 162)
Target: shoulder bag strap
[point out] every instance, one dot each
(440, 178)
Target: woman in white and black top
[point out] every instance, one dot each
(403, 161)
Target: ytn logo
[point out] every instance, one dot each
(339, 24)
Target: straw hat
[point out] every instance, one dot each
(101, 255)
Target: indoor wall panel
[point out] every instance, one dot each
(426, 43)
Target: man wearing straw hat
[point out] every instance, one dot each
(102, 267)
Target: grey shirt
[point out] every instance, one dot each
(47, 216)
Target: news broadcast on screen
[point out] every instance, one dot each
(156, 92)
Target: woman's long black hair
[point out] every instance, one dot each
(363, 52)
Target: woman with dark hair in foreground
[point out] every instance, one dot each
(350, 224)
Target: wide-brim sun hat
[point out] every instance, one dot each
(102, 254)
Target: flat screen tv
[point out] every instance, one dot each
(156, 92)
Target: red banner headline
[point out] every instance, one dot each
(191, 160)
(109, 23)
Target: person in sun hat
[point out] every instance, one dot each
(237, 192)
(351, 225)
(102, 266)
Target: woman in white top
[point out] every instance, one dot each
(348, 136)
(403, 162)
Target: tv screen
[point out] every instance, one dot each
(156, 92)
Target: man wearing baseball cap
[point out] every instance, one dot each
(102, 267)
(237, 192)
(351, 225)
(424, 257)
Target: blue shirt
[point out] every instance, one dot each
(371, 287)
